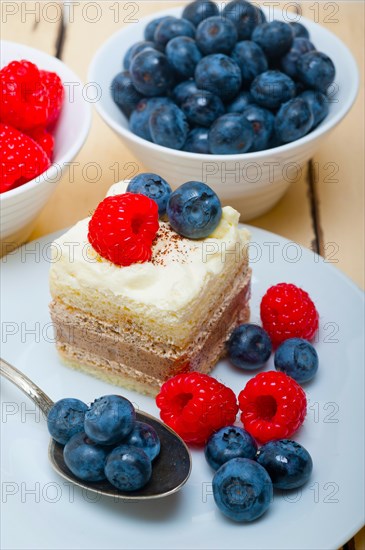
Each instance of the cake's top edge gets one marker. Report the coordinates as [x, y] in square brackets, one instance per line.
[177, 274]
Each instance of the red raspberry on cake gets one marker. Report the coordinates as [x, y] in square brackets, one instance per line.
[273, 406]
[287, 311]
[21, 158]
[24, 97]
[123, 227]
[196, 405]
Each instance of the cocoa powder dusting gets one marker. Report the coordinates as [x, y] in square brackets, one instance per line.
[165, 242]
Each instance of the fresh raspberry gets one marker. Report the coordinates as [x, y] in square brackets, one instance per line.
[24, 97]
[288, 312]
[44, 139]
[123, 227]
[21, 158]
[196, 405]
[56, 94]
[273, 406]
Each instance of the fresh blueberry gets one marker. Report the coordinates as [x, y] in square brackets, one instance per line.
[194, 210]
[196, 11]
[318, 104]
[134, 50]
[153, 186]
[288, 464]
[183, 90]
[245, 16]
[128, 468]
[66, 418]
[272, 88]
[242, 489]
[316, 70]
[84, 458]
[227, 443]
[297, 358]
[293, 120]
[274, 63]
[171, 27]
[251, 60]
[299, 30]
[168, 126]
[151, 73]
[262, 122]
[144, 437]
[300, 87]
[288, 62]
[216, 35]
[240, 103]
[275, 141]
[183, 55]
[197, 141]
[275, 38]
[139, 119]
[124, 93]
[261, 16]
[109, 420]
[220, 75]
[230, 134]
[249, 346]
[149, 32]
[203, 108]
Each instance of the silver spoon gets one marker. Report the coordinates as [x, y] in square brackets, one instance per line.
[171, 468]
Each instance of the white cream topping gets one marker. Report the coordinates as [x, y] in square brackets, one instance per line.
[118, 188]
[178, 273]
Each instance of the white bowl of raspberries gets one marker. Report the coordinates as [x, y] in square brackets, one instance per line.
[44, 122]
[237, 97]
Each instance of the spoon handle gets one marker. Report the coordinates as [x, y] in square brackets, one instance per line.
[27, 386]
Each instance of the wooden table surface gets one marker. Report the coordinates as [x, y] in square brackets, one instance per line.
[324, 210]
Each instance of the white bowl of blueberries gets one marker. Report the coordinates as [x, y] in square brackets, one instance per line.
[227, 97]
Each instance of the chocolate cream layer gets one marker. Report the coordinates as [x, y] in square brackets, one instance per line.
[125, 358]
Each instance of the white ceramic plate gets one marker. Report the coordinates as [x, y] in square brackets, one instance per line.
[40, 510]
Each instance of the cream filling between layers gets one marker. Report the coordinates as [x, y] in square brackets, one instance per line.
[174, 290]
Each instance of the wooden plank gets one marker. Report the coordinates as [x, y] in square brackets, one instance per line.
[35, 24]
[291, 217]
[360, 540]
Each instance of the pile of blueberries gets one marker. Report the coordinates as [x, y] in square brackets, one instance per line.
[105, 441]
[223, 83]
[245, 476]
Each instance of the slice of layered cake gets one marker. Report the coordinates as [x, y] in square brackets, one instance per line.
[137, 322]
